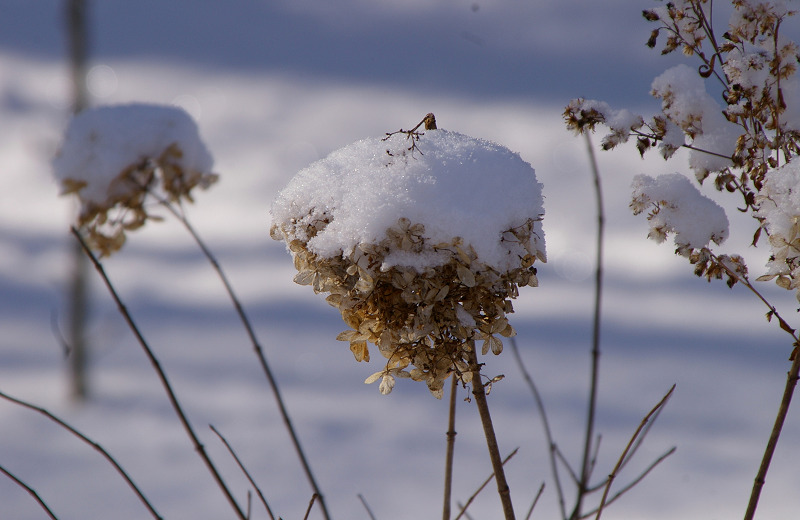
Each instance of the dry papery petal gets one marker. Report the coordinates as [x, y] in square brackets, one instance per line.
[424, 323]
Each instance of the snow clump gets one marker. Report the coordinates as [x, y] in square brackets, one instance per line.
[677, 206]
[422, 240]
[113, 156]
[779, 212]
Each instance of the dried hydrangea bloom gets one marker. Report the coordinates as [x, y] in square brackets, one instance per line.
[779, 212]
[421, 249]
[674, 205]
[112, 157]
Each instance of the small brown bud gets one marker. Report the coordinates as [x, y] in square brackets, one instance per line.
[430, 121]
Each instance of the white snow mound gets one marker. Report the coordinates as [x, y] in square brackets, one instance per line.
[452, 184]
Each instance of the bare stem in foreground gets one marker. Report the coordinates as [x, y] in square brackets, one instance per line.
[587, 464]
[788, 392]
[624, 457]
[552, 448]
[32, 492]
[246, 473]
[463, 508]
[451, 443]
[479, 392]
[259, 351]
[91, 443]
[198, 446]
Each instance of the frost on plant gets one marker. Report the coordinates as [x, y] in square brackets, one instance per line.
[421, 249]
[112, 157]
[738, 114]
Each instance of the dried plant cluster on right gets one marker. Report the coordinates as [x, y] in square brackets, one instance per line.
[738, 114]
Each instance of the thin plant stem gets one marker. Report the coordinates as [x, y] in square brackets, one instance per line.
[198, 446]
[535, 501]
[551, 445]
[786, 399]
[624, 455]
[314, 498]
[788, 392]
[634, 482]
[91, 443]
[366, 506]
[463, 508]
[244, 470]
[259, 351]
[479, 392]
[32, 492]
[586, 466]
[77, 28]
[451, 443]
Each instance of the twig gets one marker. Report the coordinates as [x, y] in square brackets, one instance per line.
[565, 462]
[479, 392]
[627, 449]
[485, 483]
[633, 483]
[462, 507]
[32, 492]
[586, 466]
[786, 399]
[366, 506]
[430, 124]
[451, 443]
[314, 497]
[552, 448]
[91, 443]
[259, 351]
[163, 377]
[244, 470]
[535, 501]
[788, 391]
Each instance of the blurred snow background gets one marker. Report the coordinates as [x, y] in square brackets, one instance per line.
[275, 85]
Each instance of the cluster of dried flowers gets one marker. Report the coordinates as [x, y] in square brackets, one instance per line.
[420, 249]
[742, 142]
[779, 210]
[120, 159]
[424, 323]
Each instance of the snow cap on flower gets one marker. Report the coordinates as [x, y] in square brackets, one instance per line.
[779, 211]
[421, 241]
[685, 102]
[676, 206]
[112, 155]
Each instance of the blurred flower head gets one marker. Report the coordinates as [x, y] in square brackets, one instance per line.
[119, 160]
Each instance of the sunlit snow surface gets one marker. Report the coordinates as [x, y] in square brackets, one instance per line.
[661, 325]
[452, 184]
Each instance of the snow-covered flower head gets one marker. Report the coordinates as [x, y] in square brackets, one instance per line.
[675, 206]
[421, 249]
[779, 212]
[112, 157]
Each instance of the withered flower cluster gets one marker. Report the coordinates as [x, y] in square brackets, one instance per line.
[119, 159]
[424, 323]
[163, 177]
[741, 143]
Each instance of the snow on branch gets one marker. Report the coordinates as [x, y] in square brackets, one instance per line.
[675, 206]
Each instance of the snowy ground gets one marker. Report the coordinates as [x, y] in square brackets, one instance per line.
[274, 87]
